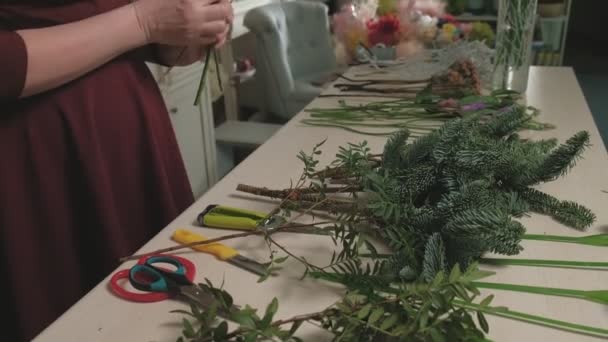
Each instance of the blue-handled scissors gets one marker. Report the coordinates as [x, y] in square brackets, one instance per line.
[160, 283]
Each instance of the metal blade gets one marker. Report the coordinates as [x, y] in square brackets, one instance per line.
[194, 293]
[204, 299]
[248, 264]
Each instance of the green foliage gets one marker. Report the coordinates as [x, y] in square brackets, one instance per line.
[438, 203]
[406, 312]
[211, 321]
[451, 196]
[434, 258]
[394, 148]
[566, 212]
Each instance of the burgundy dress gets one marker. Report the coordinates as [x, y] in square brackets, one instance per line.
[89, 171]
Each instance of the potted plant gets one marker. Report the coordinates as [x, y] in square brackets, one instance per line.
[550, 8]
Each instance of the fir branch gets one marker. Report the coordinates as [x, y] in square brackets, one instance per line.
[393, 150]
[563, 158]
[569, 213]
[434, 258]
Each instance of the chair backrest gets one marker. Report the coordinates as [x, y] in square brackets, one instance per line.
[292, 41]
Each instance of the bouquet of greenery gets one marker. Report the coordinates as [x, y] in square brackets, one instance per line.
[438, 204]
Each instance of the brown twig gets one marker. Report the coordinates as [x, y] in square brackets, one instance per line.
[341, 171]
[299, 318]
[388, 96]
[307, 194]
[386, 81]
[331, 207]
[283, 228]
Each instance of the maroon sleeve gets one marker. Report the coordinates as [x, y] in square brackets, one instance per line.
[13, 65]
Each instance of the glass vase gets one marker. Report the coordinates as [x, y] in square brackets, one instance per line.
[514, 34]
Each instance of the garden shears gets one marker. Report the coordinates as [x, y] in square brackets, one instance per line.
[225, 217]
[221, 251]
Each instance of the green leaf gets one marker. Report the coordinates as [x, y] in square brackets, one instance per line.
[455, 274]
[424, 315]
[486, 301]
[478, 274]
[344, 308]
[294, 327]
[280, 260]
[389, 322]
[265, 276]
[195, 310]
[401, 329]
[183, 312]
[439, 277]
[364, 312]
[376, 315]
[245, 319]
[220, 332]
[209, 314]
[227, 299]
[461, 291]
[188, 329]
[251, 337]
[271, 309]
[436, 335]
[482, 322]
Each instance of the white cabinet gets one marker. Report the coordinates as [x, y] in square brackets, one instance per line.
[193, 125]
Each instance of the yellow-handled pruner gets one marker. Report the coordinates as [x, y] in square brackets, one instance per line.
[224, 217]
[221, 251]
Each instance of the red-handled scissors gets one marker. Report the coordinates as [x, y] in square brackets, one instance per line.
[158, 283]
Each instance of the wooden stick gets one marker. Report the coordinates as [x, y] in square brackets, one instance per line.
[284, 227]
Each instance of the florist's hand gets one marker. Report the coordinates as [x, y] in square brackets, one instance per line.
[185, 22]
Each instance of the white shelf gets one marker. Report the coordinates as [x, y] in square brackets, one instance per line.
[473, 17]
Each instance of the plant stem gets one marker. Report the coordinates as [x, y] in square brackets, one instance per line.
[298, 318]
[594, 296]
[599, 240]
[532, 319]
[290, 193]
[285, 227]
[201, 83]
[545, 263]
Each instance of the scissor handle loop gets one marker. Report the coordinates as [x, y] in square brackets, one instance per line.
[148, 297]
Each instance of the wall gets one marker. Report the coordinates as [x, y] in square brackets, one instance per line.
[587, 41]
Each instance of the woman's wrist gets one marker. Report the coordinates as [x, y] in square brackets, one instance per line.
[134, 34]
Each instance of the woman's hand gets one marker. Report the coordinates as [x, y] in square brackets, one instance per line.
[194, 23]
[184, 22]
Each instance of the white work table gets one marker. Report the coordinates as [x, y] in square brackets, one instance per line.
[101, 316]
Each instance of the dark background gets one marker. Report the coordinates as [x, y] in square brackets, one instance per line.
[587, 52]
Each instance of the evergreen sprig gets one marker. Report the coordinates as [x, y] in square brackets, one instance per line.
[463, 185]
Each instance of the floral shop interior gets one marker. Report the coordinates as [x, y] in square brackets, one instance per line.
[304, 170]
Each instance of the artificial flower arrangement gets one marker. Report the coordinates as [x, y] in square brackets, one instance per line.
[395, 29]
